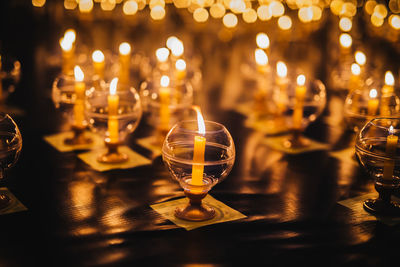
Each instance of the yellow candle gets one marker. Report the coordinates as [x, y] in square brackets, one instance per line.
[124, 61]
[113, 102]
[354, 82]
[98, 63]
[262, 40]
[345, 41]
[373, 102]
[164, 95]
[387, 92]
[162, 55]
[391, 146]
[281, 81]
[261, 60]
[198, 151]
[79, 107]
[180, 68]
[67, 56]
[299, 102]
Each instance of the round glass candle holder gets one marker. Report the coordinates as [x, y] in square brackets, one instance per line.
[126, 119]
[219, 156]
[299, 112]
[377, 149]
[360, 107]
[10, 75]
[163, 110]
[65, 98]
[10, 148]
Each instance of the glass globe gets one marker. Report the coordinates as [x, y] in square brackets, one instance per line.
[10, 148]
[362, 105]
[377, 149]
[198, 174]
[113, 119]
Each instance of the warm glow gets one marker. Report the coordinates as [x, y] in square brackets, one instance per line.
[180, 65]
[200, 120]
[130, 7]
[113, 86]
[124, 48]
[164, 81]
[276, 8]
[65, 45]
[261, 57]
[230, 20]
[394, 21]
[85, 6]
[264, 13]
[281, 69]
[157, 13]
[70, 35]
[98, 56]
[380, 11]
[345, 40]
[355, 69]
[369, 6]
[262, 40]
[177, 48]
[301, 80]
[162, 54]
[38, 3]
[391, 130]
[389, 78]
[373, 93]
[200, 15]
[345, 24]
[237, 6]
[217, 10]
[305, 14]
[250, 15]
[171, 41]
[360, 58]
[285, 22]
[79, 76]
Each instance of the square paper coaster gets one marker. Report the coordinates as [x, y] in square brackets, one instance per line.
[223, 212]
[57, 141]
[271, 126]
[276, 142]
[356, 205]
[15, 204]
[151, 144]
[347, 155]
[134, 159]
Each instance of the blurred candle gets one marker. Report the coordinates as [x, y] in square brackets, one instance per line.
[113, 103]
[373, 102]
[98, 63]
[164, 95]
[180, 68]
[281, 81]
[124, 60]
[67, 56]
[345, 41]
[262, 40]
[261, 60]
[360, 58]
[387, 92]
[162, 55]
[388, 88]
[79, 107]
[299, 102]
[199, 150]
[177, 49]
[391, 146]
[354, 81]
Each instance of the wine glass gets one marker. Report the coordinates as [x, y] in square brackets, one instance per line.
[198, 162]
[10, 148]
[378, 152]
[113, 113]
[302, 104]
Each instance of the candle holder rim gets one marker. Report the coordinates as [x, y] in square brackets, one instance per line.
[205, 122]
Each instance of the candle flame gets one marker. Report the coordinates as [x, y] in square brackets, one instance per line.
[261, 57]
[301, 80]
[355, 69]
[70, 35]
[360, 58]
[345, 40]
[124, 48]
[164, 81]
[65, 45]
[180, 65]
[162, 54]
[373, 93]
[391, 130]
[262, 40]
[389, 78]
[79, 76]
[281, 69]
[113, 86]
[200, 120]
[98, 56]
[171, 41]
[177, 48]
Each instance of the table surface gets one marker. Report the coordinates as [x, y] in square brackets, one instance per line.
[80, 217]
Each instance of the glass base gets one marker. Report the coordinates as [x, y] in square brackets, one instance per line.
[4, 201]
[78, 138]
[195, 212]
[296, 141]
[381, 207]
[112, 155]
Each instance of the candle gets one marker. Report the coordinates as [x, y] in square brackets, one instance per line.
[391, 146]
[98, 63]
[354, 81]
[387, 92]
[373, 102]
[177, 49]
[124, 61]
[164, 95]
[180, 68]
[345, 41]
[113, 102]
[261, 60]
[199, 150]
[299, 102]
[79, 107]
[281, 81]
[67, 55]
[360, 58]
[262, 40]
[162, 55]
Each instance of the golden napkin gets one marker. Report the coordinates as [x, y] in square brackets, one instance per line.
[14, 206]
[57, 141]
[151, 144]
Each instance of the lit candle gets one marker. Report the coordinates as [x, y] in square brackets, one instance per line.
[113, 102]
[67, 55]
[354, 81]
[299, 101]
[345, 41]
[162, 55]
[180, 68]
[391, 146]
[79, 107]
[261, 60]
[177, 49]
[164, 95]
[387, 92]
[262, 40]
[98, 63]
[373, 102]
[281, 81]
[199, 150]
[124, 61]
[360, 58]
